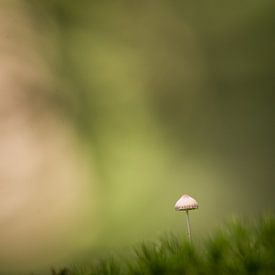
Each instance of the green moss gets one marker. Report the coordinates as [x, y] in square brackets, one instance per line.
[236, 249]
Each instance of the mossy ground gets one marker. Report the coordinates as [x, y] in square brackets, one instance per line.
[238, 248]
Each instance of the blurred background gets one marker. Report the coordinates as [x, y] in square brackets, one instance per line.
[111, 110]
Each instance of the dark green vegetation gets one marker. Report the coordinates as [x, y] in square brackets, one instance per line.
[238, 248]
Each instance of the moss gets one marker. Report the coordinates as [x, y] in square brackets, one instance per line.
[236, 249]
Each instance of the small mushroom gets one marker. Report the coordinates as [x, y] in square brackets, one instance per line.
[186, 203]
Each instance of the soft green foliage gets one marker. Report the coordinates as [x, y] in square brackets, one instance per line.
[238, 248]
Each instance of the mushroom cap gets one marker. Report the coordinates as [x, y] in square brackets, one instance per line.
[186, 203]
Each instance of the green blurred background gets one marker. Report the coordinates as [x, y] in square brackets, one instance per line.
[130, 104]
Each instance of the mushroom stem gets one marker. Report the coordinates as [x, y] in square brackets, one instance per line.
[188, 226]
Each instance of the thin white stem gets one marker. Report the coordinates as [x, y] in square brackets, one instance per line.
[188, 226]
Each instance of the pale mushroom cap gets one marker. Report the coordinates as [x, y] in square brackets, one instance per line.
[186, 203]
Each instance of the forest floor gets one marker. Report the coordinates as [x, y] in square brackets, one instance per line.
[237, 248]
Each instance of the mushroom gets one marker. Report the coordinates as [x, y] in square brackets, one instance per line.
[186, 203]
